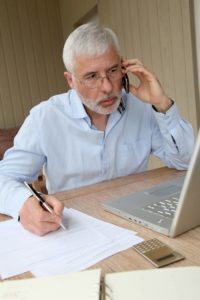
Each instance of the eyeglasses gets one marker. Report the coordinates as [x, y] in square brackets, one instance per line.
[94, 80]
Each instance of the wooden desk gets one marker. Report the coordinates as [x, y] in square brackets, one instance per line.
[88, 200]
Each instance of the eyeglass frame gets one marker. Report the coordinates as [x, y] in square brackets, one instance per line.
[83, 81]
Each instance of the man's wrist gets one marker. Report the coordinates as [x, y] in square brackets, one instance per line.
[165, 107]
[18, 218]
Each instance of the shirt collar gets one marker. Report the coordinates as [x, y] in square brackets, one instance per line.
[77, 108]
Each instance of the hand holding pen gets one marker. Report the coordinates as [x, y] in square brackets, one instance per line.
[43, 218]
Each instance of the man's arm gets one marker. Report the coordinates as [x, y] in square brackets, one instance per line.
[22, 163]
[173, 137]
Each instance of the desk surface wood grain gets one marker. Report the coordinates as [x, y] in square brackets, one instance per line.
[88, 200]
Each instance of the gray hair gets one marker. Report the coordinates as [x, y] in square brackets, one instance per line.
[88, 39]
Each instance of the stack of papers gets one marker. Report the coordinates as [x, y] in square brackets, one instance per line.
[85, 242]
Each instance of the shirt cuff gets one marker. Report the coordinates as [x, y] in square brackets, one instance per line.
[166, 111]
[17, 203]
[169, 119]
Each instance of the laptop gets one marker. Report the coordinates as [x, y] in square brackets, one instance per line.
[170, 208]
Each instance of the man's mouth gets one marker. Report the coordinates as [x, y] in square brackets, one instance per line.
[108, 102]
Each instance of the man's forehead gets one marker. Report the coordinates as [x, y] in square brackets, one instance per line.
[92, 63]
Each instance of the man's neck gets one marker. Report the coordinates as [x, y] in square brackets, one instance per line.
[98, 120]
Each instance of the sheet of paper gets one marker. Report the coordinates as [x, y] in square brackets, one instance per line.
[85, 242]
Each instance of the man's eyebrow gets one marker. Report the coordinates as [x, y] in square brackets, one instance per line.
[96, 72]
[113, 66]
[89, 73]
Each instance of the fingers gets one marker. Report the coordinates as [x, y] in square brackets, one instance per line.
[136, 67]
[41, 228]
[132, 65]
[36, 219]
[56, 205]
[130, 62]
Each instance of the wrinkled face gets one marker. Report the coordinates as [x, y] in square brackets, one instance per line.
[104, 98]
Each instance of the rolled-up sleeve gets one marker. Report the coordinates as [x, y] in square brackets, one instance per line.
[21, 163]
[173, 139]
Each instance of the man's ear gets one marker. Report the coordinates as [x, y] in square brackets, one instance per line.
[68, 77]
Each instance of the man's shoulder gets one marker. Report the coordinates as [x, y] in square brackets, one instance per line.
[56, 102]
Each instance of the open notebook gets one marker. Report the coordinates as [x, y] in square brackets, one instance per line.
[156, 284]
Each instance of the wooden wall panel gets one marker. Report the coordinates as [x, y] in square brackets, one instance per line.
[31, 68]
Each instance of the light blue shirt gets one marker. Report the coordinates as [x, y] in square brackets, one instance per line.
[58, 136]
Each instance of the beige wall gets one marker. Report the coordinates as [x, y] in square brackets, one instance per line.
[31, 67]
[72, 11]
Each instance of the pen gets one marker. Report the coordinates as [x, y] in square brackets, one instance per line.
[41, 200]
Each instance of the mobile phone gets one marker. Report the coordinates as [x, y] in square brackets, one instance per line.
[125, 83]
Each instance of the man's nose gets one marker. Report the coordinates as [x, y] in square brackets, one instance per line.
[106, 84]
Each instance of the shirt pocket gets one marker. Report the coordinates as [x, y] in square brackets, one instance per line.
[133, 157]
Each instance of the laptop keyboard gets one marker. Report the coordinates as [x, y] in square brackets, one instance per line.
[165, 207]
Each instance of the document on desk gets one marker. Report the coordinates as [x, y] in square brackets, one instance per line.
[85, 242]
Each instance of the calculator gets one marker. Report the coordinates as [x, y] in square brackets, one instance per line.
[158, 253]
